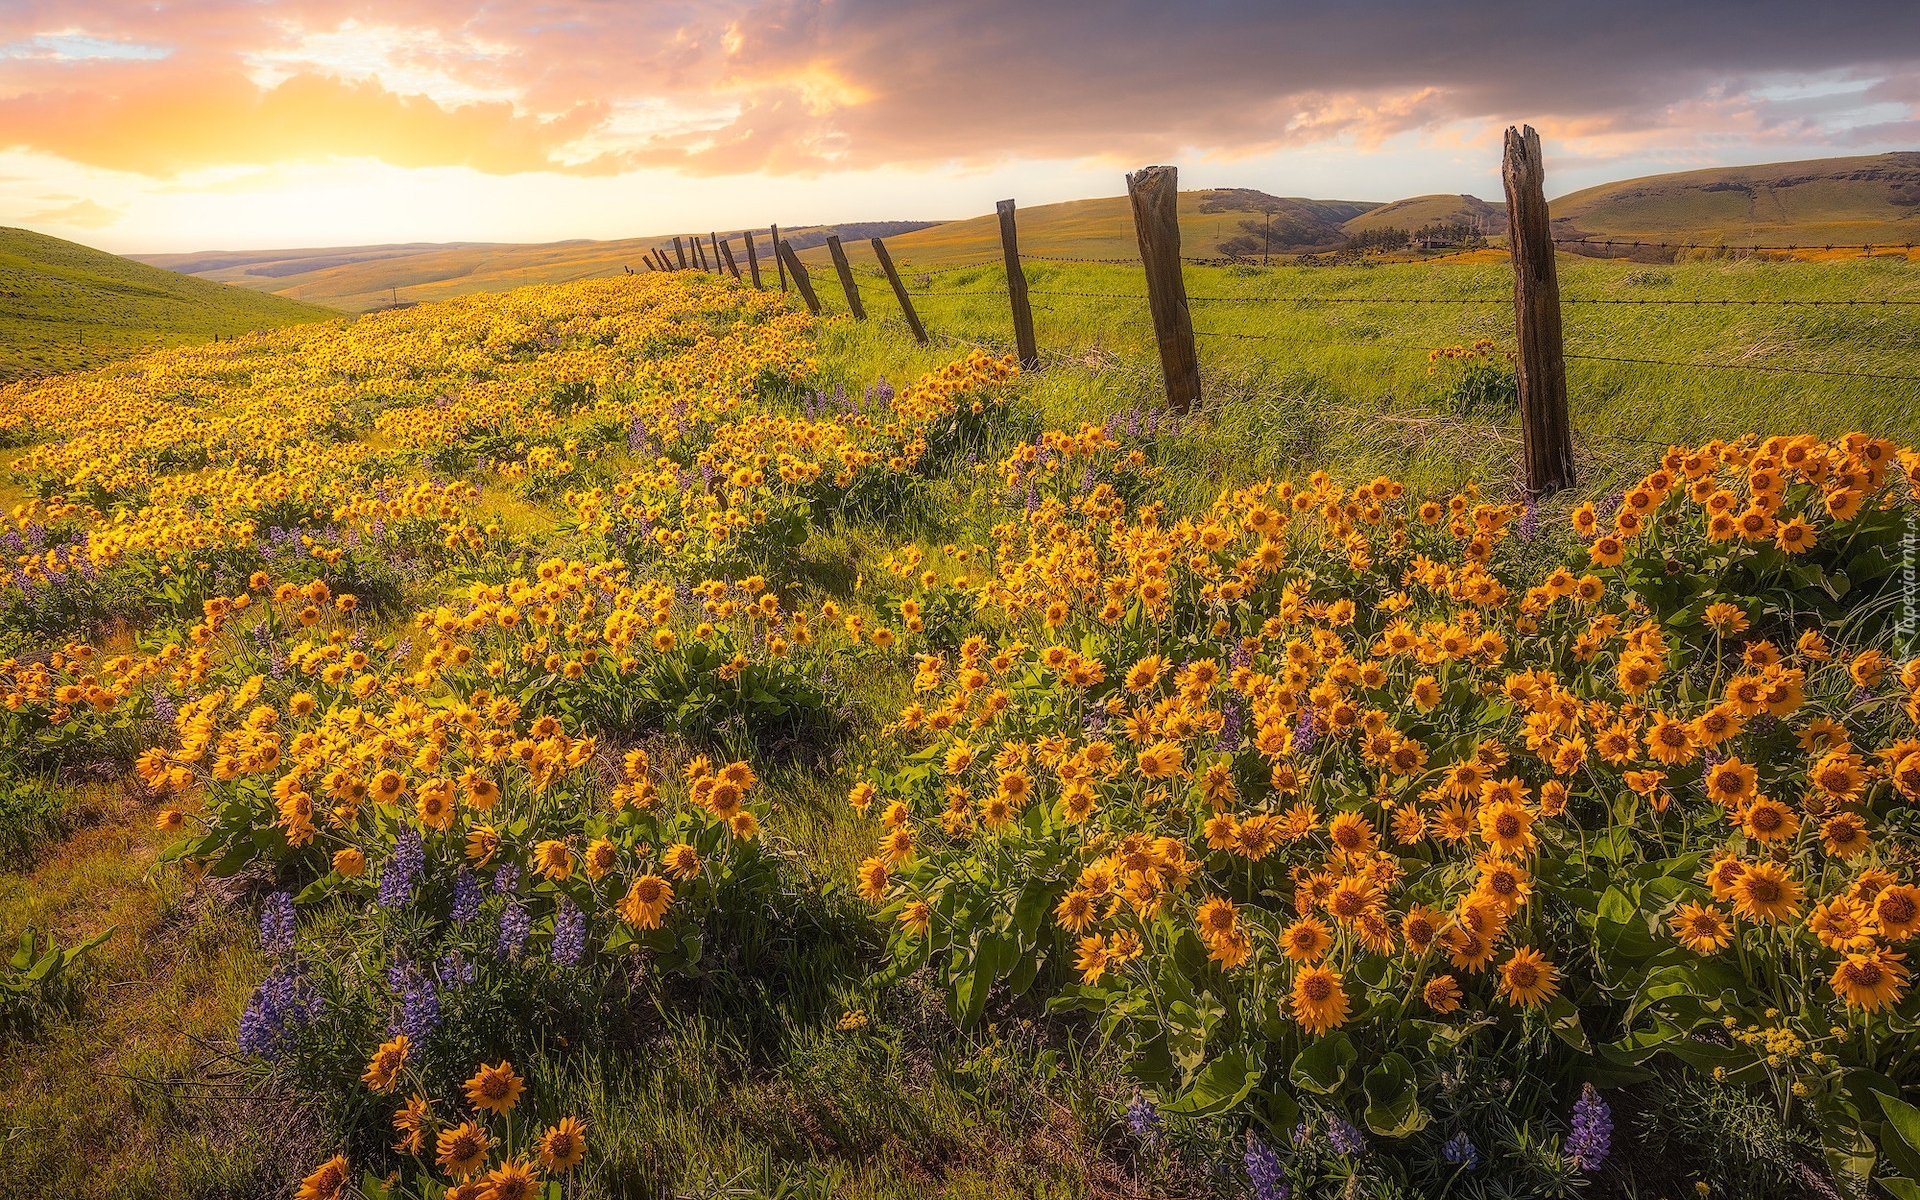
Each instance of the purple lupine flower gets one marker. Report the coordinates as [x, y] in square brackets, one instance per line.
[1712, 758]
[419, 1011]
[1301, 1134]
[1764, 724]
[1529, 521]
[1033, 501]
[1142, 1118]
[277, 924]
[1592, 1134]
[455, 970]
[1610, 504]
[515, 924]
[1229, 728]
[402, 650]
[884, 390]
[1086, 480]
[1461, 1152]
[1305, 732]
[397, 876]
[1344, 1138]
[163, 709]
[379, 529]
[1153, 422]
[277, 665]
[283, 1002]
[506, 879]
[467, 894]
[1861, 695]
[1264, 1170]
[1239, 656]
[569, 934]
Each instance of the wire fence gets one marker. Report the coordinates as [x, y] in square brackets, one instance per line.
[925, 294]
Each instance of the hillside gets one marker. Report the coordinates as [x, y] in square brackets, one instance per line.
[360, 278]
[1842, 200]
[1234, 218]
[1439, 209]
[69, 307]
[1874, 198]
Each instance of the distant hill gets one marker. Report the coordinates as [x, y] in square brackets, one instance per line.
[1874, 198]
[1840, 200]
[1214, 223]
[66, 307]
[362, 278]
[1442, 209]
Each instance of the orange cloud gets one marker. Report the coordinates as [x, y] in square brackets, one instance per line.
[161, 122]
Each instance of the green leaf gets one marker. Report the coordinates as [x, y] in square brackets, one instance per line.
[1393, 1099]
[1322, 1066]
[1902, 1189]
[1903, 1123]
[1220, 1086]
[1566, 1024]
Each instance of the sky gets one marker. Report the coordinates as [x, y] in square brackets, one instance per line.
[176, 125]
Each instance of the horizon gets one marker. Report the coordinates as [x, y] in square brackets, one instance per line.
[245, 126]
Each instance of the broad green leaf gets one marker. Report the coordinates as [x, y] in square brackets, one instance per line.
[1218, 1087]
[1322, 1066]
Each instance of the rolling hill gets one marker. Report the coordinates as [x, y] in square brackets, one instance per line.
[68, 307]
[1874, 198]
[1840, 200]
[362, 278]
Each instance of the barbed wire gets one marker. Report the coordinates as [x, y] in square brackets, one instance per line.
[1710, 366]
[1717, 246]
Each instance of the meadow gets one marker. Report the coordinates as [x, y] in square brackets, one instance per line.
[71, 308]
[629, 737]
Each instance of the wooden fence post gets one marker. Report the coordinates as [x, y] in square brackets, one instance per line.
[699, 251]
[1017, 288]
[726, 252]
[753, 259]
[680, 252]
[1155, 193]
[845, 272]
[900, 291]
[779, 260]
[1546, 430]
[800, 278]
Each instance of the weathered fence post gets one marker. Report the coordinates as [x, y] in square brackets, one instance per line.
[726, 252]
[845, 272]
[753, 259]
[900, 291]
[1017, 288]
[779, 260]
[800, 278]
[699, 251]
[680, 252]
[1546, 431]
[1155, 193]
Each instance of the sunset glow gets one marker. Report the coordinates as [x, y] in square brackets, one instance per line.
[165, 127]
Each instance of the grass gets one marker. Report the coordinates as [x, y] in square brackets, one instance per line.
[1301, 366]
[70, 308]
[744, 1082]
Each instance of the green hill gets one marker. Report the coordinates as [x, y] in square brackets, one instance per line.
[361, 278]
[1874, 198]
[68, 307]
[1441, 209]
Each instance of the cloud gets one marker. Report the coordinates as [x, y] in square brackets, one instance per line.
[81, 214]
[815, 86]
[162, 122]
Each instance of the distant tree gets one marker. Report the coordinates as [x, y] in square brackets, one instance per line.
[1388, 237]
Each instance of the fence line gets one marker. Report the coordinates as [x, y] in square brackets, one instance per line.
[1545, 427]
